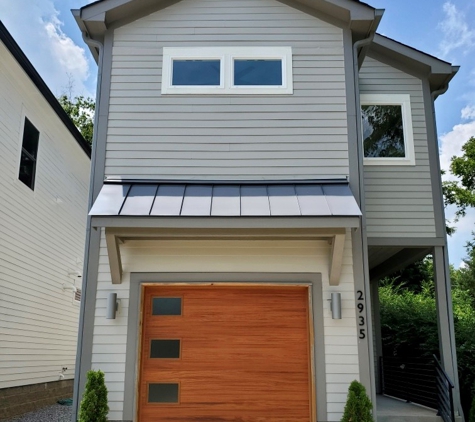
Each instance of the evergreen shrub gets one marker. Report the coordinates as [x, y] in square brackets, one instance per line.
[94, 407]
[358, 405]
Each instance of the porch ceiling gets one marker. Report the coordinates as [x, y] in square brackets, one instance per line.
[385, 260]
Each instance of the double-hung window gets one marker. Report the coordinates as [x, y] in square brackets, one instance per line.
[387, 129]
[227, 70]
[29, 152]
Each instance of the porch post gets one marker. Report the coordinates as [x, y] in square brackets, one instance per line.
[445, 319]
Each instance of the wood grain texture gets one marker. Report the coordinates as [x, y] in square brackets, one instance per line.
[244, 354]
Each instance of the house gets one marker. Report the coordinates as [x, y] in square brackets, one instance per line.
[258, 167]
[44, 184]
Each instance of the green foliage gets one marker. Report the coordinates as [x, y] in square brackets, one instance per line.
[462, 193]
[472, 410]
[81, 111]
[383, 131]
[358, 406]
[94, 407]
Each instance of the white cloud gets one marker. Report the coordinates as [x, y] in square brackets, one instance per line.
[468, 113]
[457, 32]
[37, 26]
[451, 144]
[68, 55]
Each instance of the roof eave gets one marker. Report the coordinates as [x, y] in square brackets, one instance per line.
[438, 72]
[97, 17]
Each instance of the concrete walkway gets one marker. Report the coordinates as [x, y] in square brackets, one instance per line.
[389, 409]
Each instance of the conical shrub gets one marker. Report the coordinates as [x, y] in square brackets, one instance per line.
[94, 407]
[358, 405]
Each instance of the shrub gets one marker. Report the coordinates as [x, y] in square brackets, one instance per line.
[472, 410]
[94, 406]
[358, 406]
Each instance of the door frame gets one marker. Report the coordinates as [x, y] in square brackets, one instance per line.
[312, 281]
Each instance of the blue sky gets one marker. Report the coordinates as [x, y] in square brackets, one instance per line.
[49, 36]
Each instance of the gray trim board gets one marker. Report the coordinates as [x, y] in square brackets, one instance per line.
[136, 280]
[406, 241]
[227, 222]
[93, 235]
[434, 160]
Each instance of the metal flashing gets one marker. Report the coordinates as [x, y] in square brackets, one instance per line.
[35, 77]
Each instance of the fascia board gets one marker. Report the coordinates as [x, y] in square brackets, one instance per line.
[115, 11]
[410, 55]
[94, 9]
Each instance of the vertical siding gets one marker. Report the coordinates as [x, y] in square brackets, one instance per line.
[399, 199]
[42, 234]
[110, 336]
[303, 135]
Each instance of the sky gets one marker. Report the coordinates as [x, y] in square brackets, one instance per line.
[49, 36]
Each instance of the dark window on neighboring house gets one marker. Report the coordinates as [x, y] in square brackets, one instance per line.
[29, 152]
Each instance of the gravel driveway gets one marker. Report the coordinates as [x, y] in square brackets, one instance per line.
[54, 413]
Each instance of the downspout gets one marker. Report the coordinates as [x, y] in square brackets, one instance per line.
[448, 285]
[361, 200]
[76, 394]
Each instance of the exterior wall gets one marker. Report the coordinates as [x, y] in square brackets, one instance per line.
[399, 200]
[42, 234]
[297, 136]
[202, 256]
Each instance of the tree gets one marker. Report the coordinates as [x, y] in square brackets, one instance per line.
[81, 111]
[461, 193]
[94, 407]
[358, 406]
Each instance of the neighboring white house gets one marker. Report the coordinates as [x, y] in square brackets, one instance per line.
[259, 166]
[44, 183]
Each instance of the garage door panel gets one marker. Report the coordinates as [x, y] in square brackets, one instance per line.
[244, 354]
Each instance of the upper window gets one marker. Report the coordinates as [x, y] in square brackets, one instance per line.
[387, 129]
[227, 70]
[29, 152]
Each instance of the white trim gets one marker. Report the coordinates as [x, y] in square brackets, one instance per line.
[404, 100]
[226, 56]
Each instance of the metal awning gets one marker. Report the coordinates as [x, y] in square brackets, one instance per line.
[139, 210]
[226, 200]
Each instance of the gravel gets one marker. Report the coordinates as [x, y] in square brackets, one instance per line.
[54, 413]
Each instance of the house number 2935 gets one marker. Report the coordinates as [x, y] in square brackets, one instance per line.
[361, 320]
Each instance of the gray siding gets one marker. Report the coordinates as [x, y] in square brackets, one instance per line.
[399, 199]
[303, 135]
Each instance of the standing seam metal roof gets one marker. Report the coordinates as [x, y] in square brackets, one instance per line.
[225, 200]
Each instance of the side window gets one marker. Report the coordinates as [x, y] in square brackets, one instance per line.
[29, 152]
[227, 70]
[387, 129]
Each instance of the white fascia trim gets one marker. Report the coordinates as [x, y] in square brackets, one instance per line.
[226, 55]
[404, 100]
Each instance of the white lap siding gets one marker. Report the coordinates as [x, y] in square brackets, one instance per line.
[303, 135]
[42, 235]
[399, 201]
[110, 336]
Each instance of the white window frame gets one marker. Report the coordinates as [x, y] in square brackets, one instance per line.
[403, 100]
[226, 56]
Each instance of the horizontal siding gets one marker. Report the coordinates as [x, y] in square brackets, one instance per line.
[303, 135]
[399, 201]
[110, 336]
[42, 235]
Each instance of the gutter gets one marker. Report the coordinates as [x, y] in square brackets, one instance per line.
[364, 45]
[77, 394]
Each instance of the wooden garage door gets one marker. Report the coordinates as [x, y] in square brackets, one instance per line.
[225, 353]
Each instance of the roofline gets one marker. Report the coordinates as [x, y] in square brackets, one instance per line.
[439, 72]
[97, 17]
[34, 76]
